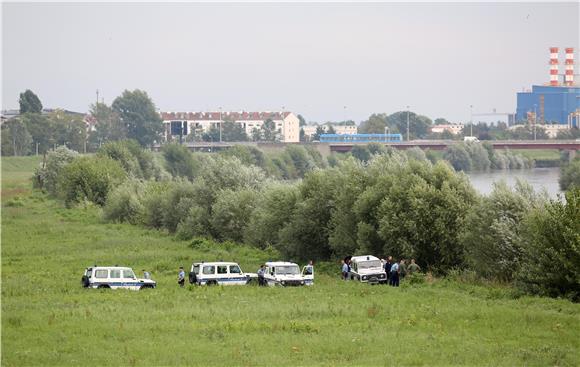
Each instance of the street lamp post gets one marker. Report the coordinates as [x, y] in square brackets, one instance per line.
[471, 120]
[220, 124]
[535, 121]
[408, 123]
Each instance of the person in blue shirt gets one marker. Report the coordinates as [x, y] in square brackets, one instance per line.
[394, 281]
[181, 277]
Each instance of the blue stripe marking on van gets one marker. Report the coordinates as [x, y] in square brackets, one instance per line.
[224, 280]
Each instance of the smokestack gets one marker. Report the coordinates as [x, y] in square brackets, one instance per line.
[554, 66]
[569, 76]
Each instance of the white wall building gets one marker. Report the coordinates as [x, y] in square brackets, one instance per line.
[287, 123]
[452, 128]
[310, 130]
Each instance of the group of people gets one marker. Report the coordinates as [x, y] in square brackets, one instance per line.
[396, 271]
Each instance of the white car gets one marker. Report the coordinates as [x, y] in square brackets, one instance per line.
[367, 269]
[114, 277]
[217, 273]
[288, 274]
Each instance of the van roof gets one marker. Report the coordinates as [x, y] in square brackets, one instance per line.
[280, 263]
[216, 263]
[364, 258]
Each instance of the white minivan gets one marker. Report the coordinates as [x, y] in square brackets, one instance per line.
[217, 273]
[367, 269]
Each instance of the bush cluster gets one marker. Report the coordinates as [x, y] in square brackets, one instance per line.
[389, 203]
[482, 157]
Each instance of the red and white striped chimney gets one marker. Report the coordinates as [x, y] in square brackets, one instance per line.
[554, 66]
[569, 76]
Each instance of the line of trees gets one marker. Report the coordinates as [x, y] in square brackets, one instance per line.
[393, 203]
[132, 115]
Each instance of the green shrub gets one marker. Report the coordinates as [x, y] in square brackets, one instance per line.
[123, 203]
[90, 178]
[551, 243]
[47, 177]
[179, 161]
[119, 151]
[231, 213]
[570, 175]
[491, 235]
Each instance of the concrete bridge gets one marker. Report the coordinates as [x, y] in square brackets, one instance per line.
[571, 145]
[326, 148]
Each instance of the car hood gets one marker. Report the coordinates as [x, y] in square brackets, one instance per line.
[146, 281]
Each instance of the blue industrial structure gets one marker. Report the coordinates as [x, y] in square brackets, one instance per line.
[360, 138]
[551, 104]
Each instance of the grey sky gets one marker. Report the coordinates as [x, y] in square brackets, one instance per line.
[313, 59]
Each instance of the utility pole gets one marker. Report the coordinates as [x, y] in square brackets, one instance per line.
[220, 124]
[471, 120]
[408, 124]
[535, 121]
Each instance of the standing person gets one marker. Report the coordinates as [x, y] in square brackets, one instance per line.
[146, 274]
[344, 270]
[394, 281]
[388, 266]
[181, 277]
[309, 269]
[413, 267]
[402, 269]
[261, 273]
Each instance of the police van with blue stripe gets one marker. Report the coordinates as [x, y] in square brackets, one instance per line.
[217, 273]
[114, 277]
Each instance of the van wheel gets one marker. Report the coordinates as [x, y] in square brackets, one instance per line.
[146, 286]
[103, 286]
[212, 282]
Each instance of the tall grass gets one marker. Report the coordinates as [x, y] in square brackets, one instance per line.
[48, 319]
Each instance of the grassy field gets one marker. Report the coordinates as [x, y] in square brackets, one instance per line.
[48, 319]
[539, 154]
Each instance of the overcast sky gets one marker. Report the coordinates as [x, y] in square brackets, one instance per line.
[312, 59]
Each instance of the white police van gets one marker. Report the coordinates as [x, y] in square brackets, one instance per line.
[217, 273]
[114, 277]
[367, 269]
[288, 274]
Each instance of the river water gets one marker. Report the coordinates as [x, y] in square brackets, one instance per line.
[539, 178]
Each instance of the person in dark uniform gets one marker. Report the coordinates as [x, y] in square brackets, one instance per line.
[181, 277]
[261, 273]
[388, 265]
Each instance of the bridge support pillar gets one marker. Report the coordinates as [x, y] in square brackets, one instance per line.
[571, 155]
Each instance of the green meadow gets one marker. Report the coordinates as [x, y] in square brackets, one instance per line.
[49, 319]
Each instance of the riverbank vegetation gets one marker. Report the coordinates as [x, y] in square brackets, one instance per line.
[49, 319]
[386, 203]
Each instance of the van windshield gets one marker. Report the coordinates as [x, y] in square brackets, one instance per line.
[369, 264]
[287, 270]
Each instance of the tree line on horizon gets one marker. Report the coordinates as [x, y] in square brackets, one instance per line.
[133, 115]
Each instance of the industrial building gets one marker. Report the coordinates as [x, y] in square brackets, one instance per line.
[554, 103]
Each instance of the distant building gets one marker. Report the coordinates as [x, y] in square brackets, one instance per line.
[550, 104]
[493, 118]
[287, 123]
[452, 128]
